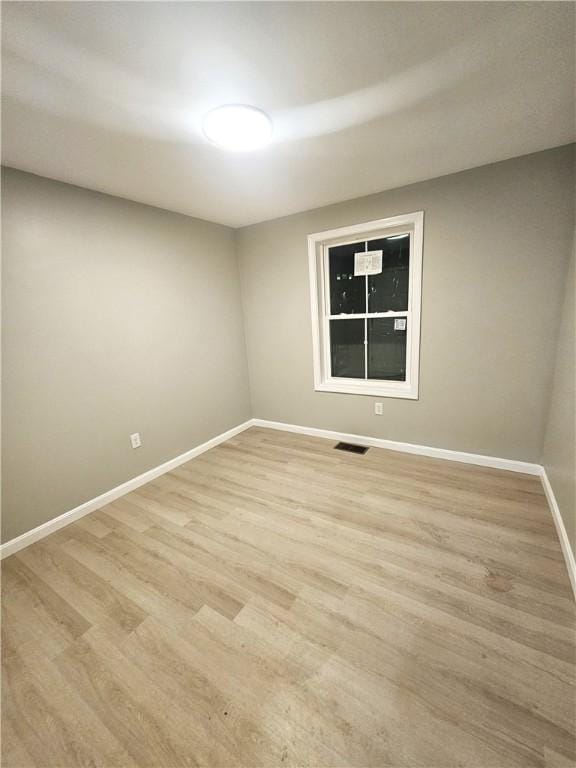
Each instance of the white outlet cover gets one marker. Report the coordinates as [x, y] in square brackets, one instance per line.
[135, 440]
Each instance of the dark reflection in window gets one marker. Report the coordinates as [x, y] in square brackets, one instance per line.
[347, 293]
[347, 348]
[387, 348]
[388, 291]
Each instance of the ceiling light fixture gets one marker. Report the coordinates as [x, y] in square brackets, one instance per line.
[238, 128]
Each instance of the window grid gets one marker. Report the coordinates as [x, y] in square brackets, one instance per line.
[399, 365]
[357, 315]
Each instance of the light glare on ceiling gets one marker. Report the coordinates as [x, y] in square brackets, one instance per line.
[238, 128]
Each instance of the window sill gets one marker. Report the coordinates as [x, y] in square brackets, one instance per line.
[375, 389]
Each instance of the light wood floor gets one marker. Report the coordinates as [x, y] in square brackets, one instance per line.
[278, 603]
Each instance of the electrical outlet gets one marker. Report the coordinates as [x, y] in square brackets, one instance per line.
[135, 440]
[378, 409]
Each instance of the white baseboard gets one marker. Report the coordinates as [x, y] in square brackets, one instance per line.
[421, 450]
[14, 545]
[560, 529]
[443, 453]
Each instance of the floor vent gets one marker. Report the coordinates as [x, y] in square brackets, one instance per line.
[351, 448]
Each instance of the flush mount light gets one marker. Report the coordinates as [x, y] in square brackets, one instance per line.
[238, 128]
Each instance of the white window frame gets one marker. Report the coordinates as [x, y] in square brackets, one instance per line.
[318, 244]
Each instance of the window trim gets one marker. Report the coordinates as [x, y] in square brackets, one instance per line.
[318, 244]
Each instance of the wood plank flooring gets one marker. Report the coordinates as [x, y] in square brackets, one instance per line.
[278, 603]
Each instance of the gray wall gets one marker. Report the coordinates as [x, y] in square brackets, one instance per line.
[118, 318]
[559, 455]
[496, 241]
[121, 318]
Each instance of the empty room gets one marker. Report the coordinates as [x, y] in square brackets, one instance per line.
[288, 385]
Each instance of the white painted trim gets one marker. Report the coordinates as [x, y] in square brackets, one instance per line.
[366, 387]
[421, 450]
[315, 298]
[560, 529]
[14, 545]
[318, 244]
[494, 462]
[403, 220]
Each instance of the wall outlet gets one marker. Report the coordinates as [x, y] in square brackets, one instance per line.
[135, 440]
[378, 409]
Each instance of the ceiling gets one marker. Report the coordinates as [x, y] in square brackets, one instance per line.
[364, 96]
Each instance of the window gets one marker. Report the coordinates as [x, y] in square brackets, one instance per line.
[365, 285]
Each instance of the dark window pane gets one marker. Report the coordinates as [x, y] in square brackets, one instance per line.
[347, 348]
[347, 293]
[387, 348]
[388, 291]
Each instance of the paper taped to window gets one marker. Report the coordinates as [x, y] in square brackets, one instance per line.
[367, 263]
